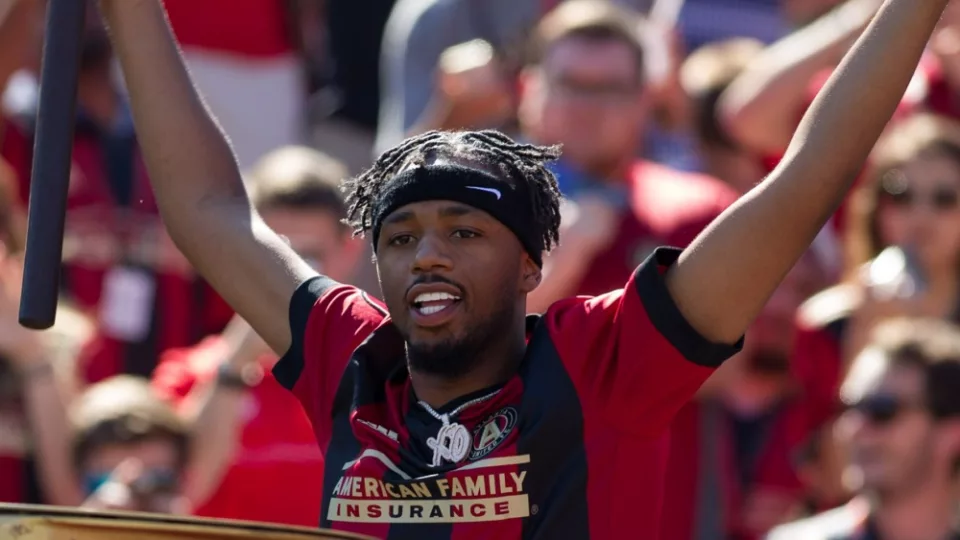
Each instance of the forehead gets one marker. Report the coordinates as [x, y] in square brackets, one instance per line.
[932, 169]
[874, 373]
[593, 58]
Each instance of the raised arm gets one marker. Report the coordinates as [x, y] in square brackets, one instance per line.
[761, 106]
[723, 279]
[196, 179]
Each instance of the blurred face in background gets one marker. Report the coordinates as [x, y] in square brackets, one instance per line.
[919, 206]
[588, 95]
[319, 237]
[769, 342]
[765, 358]
[891, 437]
[141, 476]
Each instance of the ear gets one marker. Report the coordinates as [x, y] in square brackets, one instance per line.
[531, 275]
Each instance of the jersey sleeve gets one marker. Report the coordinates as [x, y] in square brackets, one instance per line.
[328, 321]
[633, 357]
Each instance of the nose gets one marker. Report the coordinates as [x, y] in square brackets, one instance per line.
[431, 254]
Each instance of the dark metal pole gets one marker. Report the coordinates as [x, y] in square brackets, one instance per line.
[53, 147]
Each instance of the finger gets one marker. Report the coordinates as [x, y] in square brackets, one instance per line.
[127, 472]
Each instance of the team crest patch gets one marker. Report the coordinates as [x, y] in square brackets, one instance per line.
[488, 434]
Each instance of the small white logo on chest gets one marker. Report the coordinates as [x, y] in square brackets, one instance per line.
[451, 444]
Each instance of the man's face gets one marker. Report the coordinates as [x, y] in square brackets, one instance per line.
[150, 483]
[891, 437]
[319, 237]
[587, 95]
[454, 279]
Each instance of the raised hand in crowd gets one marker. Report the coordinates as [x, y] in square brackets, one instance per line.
[46, 385]
[215, 409]
[762, 106]
[472, 91]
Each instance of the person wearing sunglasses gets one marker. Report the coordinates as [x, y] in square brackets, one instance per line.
[900, 431]
[129, 448]
[908, 198]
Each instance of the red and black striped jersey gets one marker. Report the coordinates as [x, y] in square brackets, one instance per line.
[572, 446]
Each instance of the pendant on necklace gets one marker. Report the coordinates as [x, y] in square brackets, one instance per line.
[451, 444]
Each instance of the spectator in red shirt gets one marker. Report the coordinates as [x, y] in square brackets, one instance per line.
[245, 57]
[736, 442]
[910, 198]
[587, 91]
[119, 265]
[258, 458]
[530, 408]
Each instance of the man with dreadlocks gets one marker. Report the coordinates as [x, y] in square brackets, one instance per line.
[448, 413]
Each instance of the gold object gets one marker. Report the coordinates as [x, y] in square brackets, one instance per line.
[21, 522]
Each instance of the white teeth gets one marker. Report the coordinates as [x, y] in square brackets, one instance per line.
[430, 310]
[434, 297]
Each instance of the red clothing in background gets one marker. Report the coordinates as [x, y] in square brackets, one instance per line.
[668, 207]
[598, 375]
[817, 361]
[117, 264]
[277, 473]
[256, 28]
[714, 483]
[13, 453]
[939, 98]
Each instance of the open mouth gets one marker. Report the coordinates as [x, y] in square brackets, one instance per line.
[433, 303]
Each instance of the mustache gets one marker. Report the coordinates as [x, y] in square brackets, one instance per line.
[427, 279]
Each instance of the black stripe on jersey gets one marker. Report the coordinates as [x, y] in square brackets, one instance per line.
[667, 318]
[551, 432]
[346, 449]
[288, 369]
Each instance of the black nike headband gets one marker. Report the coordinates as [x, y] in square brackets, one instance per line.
[508, 202]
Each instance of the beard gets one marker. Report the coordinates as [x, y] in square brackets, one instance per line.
[455, 357]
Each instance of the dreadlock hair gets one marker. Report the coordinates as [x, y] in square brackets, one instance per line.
[514, 161]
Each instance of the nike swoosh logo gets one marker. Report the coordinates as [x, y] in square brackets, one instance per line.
[488, 190]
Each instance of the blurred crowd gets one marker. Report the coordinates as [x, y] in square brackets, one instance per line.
[842, 411]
